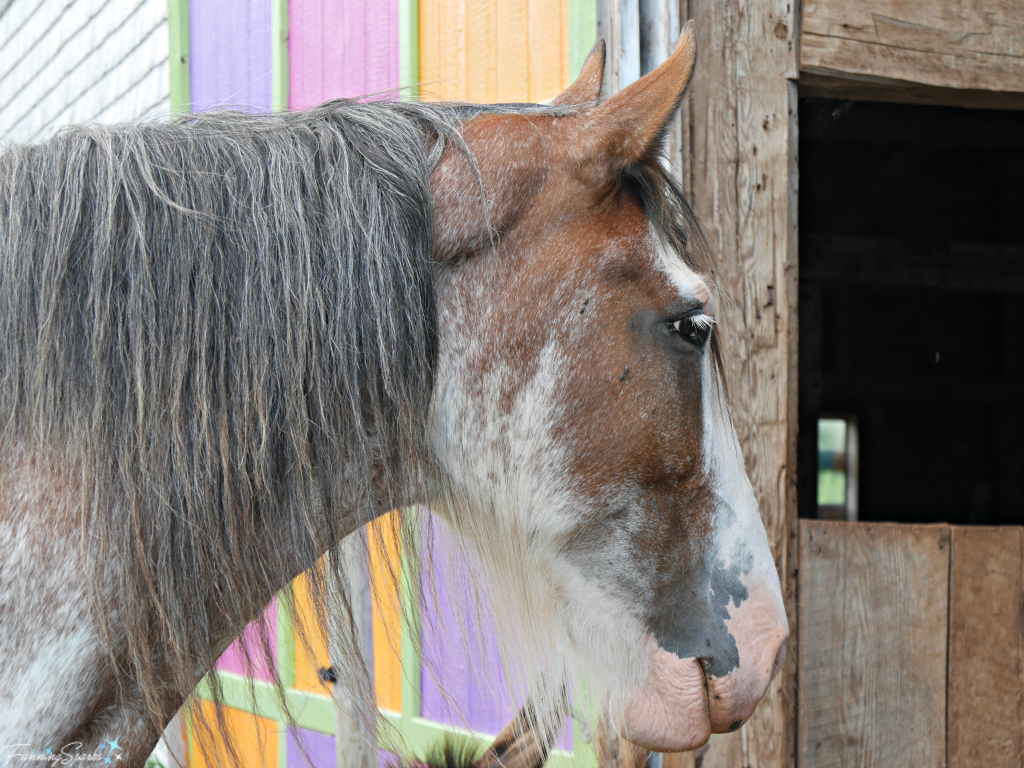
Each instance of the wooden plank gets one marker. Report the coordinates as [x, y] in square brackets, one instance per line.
[986, 657]
[874, 607]
[582, 33]
[279, 65]
[741, 175]
[255, 739]
[178, 58]
[513, 51]
[429, 42]
[483, 62]
[409, 49]
[936, 43]
[387, 613]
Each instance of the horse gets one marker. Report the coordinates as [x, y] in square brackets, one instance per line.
[230, 341]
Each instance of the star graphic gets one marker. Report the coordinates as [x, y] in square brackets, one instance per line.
[113, 744]
[49, 752]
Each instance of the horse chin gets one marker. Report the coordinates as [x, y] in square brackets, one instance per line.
[670, 713]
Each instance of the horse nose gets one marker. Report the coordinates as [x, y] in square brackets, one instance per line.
[733, 697]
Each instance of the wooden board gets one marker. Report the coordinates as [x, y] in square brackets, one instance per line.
[874, 601]
[495, 50]
[253, 738]
[741, 172]
[935, 43]
[340, 48]
[986, 689]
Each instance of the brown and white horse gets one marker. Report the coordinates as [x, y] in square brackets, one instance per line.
[573, 427]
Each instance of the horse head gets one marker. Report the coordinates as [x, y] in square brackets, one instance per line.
[579, 416]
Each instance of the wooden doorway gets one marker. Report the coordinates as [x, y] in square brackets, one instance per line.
[911, 303]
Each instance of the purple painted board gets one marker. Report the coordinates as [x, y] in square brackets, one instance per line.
[319, 750]
[229, 54]
[233, 660]
[459, 688]
[341, 48]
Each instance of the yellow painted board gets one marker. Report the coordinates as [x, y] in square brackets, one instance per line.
[254, 738]
[309, 660]
[387, 615]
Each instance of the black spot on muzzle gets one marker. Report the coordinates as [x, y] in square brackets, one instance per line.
[690, 621]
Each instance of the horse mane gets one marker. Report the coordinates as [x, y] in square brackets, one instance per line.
[213, 323]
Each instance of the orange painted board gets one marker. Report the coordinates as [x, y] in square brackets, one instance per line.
[546, 30]
[387, 614]
[513, 50]
[494, 50]
[254, 739]
[482, 38]
[311, 655]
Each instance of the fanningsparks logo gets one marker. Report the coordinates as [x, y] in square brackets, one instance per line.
[109, 753]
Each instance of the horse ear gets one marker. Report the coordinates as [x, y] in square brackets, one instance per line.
[585, 89]
[628, 128]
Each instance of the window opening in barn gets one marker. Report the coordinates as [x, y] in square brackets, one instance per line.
[837, 467]
[911, 313]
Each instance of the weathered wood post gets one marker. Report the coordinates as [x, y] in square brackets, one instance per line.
[742, 168]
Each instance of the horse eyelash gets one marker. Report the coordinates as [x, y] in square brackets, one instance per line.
[702, 321]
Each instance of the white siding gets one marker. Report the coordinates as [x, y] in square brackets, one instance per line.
[69, 61]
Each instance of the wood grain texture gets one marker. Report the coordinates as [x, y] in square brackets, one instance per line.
[311, 653]
[874, 602]
[986, 657]
[254, 738]
[942, 43]
[513, 52]
[341, 48]
[387, 615]
[230, 63]
[741, 172]
[494, 50]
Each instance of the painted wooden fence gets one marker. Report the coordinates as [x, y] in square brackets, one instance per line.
[275, 54]
[911, 645]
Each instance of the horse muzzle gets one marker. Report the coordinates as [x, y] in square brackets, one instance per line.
[683, 702]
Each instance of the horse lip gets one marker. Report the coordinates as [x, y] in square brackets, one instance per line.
[707, 687]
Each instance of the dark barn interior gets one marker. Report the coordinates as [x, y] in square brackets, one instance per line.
[912, 309]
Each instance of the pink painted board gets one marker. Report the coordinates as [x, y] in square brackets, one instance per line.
[341, 48]
[233, 660]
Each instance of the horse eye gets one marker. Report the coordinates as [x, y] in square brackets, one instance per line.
[689, 330]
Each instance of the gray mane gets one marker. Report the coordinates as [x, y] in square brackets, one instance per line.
[213, 324]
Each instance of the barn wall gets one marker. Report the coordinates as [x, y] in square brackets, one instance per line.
[230, 58]
[341, 48]
[497, 50]
[742, 174]
[64, 61]
[943, 51]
